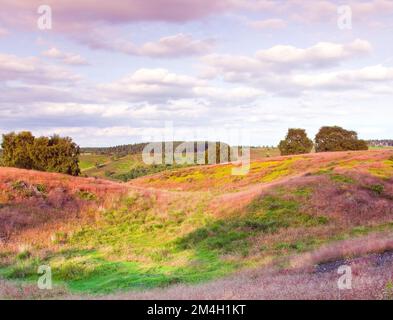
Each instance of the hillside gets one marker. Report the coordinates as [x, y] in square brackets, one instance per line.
[199, 229]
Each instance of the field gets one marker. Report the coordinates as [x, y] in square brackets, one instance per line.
[201, 232]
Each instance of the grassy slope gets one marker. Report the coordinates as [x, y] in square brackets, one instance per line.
[108, 236]
[107, 163]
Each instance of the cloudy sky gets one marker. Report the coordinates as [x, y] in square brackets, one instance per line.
[119, 71]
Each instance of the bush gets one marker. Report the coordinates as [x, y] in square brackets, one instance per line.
[377, 188]
[338, 139]
[296, 142]
[41, 188]
[23, 255]
[54, 154]
[86, 195]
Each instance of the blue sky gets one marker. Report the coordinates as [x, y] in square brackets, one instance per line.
[117, 72]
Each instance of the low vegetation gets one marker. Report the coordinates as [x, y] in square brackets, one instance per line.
[187, 225]
[100, 237]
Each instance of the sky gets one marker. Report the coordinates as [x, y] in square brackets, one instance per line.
[242, 71]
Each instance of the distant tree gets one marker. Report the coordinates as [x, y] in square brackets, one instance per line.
[296, 142]
[222, 154]
[54, 154]
[380, 143]
[338, 139]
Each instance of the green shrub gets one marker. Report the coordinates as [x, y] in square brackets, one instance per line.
[22, 188]
[23, 255]
[86, 195]
[377, 188]
[41, 188]
[19, 185]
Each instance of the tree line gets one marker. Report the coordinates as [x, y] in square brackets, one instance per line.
[61, 154]
[120, 150]
[52, 154]
[327, 139]
[381, 143]
[137, 148]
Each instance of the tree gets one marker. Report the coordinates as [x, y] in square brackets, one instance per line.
[54, 154]
[338, 139]
[63, 156]
[39, 153]
[296, 142]
[16, 149]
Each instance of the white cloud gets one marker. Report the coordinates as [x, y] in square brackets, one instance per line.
[284, 69]
[151, 85]
[283, 58]
[318, 55]
[158, 85]
[345, 79]
[32, 69]
[65, 57]
[174, 46]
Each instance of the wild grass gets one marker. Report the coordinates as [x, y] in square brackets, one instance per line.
[101, 237]
[134, 247]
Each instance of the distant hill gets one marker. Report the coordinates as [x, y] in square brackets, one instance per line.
[120, 150]
[127, 149]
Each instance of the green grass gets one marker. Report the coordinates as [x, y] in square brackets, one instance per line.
[106, 166]
[336, 177]
[120, 169]
[135, 247]
[141, 171]
[378, 189]
[265, 215]
[89, 161]
[341, 178]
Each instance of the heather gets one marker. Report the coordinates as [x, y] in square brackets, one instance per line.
[194, 226]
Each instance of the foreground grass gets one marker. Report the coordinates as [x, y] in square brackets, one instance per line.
[133, 247]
